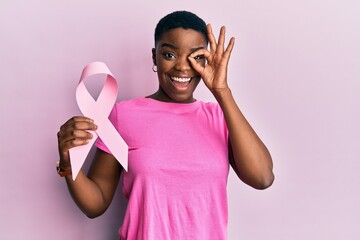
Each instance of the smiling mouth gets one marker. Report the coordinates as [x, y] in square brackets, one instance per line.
[181, 82]
[181, 79]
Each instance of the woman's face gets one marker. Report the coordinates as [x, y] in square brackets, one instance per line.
[177, 79]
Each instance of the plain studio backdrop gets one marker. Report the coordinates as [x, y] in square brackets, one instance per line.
[294, 71]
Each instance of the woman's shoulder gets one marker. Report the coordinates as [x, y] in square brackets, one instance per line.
[211, 106]
[125, 103]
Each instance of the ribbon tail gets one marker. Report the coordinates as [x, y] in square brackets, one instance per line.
[97, 110]
[114, 142]
[78, 156]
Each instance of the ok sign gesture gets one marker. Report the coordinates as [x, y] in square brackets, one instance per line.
[214, 73]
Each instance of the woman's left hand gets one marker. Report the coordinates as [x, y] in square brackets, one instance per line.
[214, 73]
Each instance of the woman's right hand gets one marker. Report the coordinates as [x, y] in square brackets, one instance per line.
[73, 133]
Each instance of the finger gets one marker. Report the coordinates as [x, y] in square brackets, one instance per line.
[220, 45]
[64, 158]
[82, 124]
[229, 48]
[200, 54]
[76, 119]
[198, 59]
[68, 141]
[66, 146]
[76, 127]
[211, 38]
[75, 134]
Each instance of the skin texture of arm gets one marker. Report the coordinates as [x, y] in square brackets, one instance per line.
[248, 155]
[94, 192]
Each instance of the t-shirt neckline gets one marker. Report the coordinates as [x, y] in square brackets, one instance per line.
[171, 106]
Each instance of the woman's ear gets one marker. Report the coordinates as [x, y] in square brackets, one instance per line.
[154, 55]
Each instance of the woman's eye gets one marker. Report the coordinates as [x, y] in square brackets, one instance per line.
[199, 57]
[169, 55]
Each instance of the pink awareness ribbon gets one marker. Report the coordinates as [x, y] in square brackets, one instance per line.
[99, 111]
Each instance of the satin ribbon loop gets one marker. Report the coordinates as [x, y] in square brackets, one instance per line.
[99, 111]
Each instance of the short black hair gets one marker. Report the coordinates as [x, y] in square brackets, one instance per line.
[180, 19]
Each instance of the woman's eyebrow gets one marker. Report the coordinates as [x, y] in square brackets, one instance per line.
[197, 48]
[169, 45]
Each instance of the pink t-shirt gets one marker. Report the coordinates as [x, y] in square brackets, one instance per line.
[177, 172]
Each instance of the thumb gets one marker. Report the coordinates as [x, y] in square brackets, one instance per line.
[64, 157]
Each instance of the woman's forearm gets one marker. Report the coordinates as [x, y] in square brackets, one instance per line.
[86, 194]
[251, 157]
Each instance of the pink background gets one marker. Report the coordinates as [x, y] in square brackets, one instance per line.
[295, 73]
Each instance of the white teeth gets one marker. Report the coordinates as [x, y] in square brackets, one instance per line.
[179, 79]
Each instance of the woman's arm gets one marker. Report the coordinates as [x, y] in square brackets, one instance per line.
[92, 193]
[247, 154]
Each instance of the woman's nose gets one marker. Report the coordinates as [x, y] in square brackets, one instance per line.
[182, 64]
